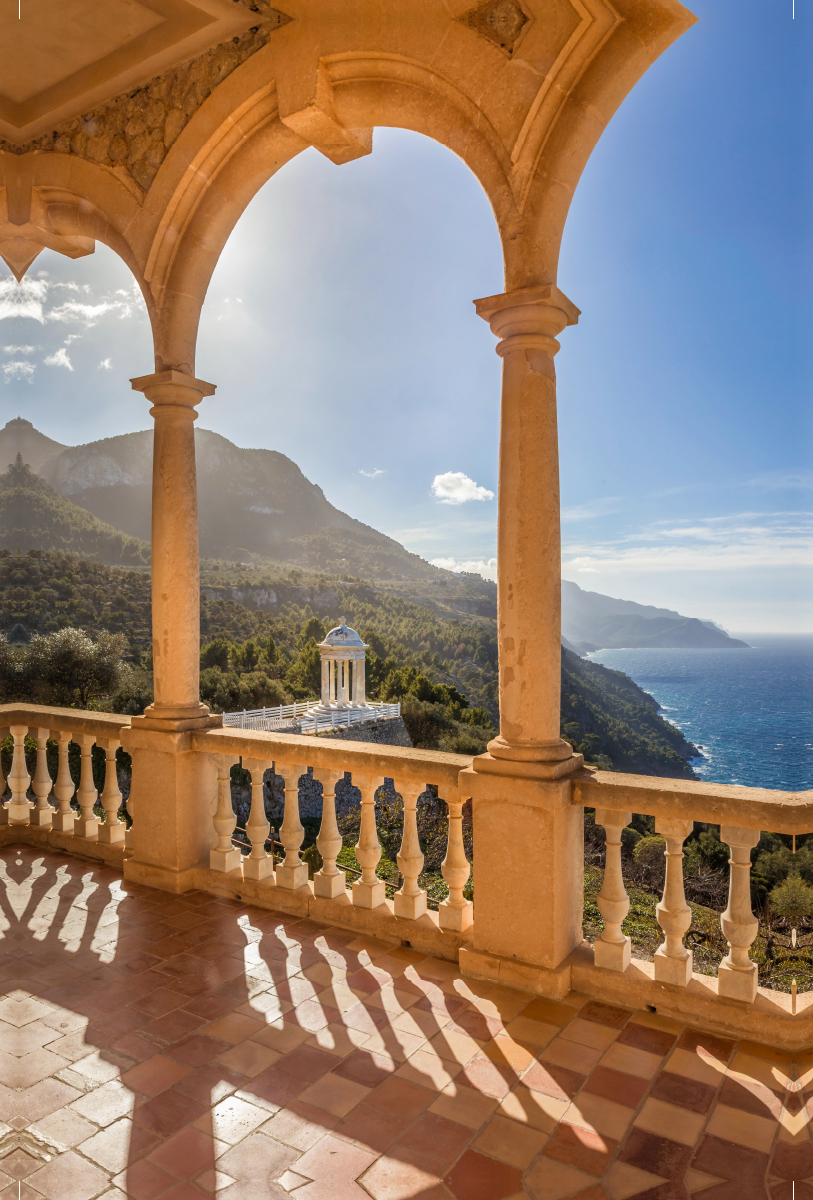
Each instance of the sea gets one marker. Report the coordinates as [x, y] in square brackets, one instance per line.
[749, 712]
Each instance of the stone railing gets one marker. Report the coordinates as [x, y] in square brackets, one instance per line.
[363, 904]
[43, 803]
[204, 856]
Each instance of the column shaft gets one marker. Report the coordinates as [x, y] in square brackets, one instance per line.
[175, 556]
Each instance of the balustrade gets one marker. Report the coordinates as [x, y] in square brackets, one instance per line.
[259, 864]
[329, 881]
[737, 975]
[613, 949]
[369, 767]
[673, 961]
[292, 872]
[113, 830]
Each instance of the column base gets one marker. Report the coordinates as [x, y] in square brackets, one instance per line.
[19, 812]
[111, 835]
[410, 907]
[677, 971]
[329, 886]
[63, 822]
[737, 985]
[87, 828]
[455, 919]
[292, 877]
[612, 956]
[542, 769]
[257, 868]
[225, 860]
[42, 817]
[368, 895]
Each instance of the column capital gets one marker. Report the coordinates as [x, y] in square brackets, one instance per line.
[528, 318]
[168, 387]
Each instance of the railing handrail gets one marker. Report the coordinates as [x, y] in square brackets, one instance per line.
[275, 718]
[401, 762]
[74, 720]
[696, 800]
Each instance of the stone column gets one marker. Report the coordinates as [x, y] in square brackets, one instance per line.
[528, 539]
[361, 681]
[529, 911]
[173, 785]
[175, 556]
[325, 682]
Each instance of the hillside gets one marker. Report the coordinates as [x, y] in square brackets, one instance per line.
[250, 502]
[34, 516]
[604, 714]
[591, 621]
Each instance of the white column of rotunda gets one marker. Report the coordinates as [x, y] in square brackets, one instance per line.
[344, 656]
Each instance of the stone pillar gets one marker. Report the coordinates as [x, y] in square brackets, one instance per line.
[361, 681]
[737, 973]
[173, 786]
[529, 910]
[175, 557]
[528, 539]
[325, 682]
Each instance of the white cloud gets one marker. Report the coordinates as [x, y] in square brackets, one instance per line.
[376, 471]
[59, 359]
[23, 299]
[454, 487]
[28, 299]
[739, 541]
[481, 566]
[105, 365]
[19, 370]
[19, 349]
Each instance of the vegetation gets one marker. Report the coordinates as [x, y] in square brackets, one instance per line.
[259, 637]
[32, 514]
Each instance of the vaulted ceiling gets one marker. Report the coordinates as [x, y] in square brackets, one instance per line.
[59, 60]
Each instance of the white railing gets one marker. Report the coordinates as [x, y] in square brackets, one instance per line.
[269, 719]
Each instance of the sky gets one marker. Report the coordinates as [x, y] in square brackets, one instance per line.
[340, 330]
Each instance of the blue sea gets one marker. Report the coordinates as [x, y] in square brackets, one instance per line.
[749, 711]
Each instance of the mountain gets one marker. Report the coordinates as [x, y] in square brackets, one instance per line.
[250, 502]
[591, 621]
[35, 517]
[20, 437]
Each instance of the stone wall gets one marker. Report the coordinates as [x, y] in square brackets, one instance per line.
[389, 732]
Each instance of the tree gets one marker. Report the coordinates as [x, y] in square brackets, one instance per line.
[793, 900]
[216, 654]
[68, 668]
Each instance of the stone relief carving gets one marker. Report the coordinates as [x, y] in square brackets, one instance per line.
[133, 133]
[499, 21]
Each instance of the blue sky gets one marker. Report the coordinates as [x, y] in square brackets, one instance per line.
[340, 330]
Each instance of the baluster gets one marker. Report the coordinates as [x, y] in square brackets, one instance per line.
[673, 961]
[87, 824]
[113, 830]
[18, 807]
[737, 974]
[258, 864]
[456, 912]
[369, 891]
[128, 832]
[225, 856]
[42, 814]
[410, 900]
[65, 817]
[612, 949]
[329, 881]
[292, 873]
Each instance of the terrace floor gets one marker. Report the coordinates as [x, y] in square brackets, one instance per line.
[186, 1047]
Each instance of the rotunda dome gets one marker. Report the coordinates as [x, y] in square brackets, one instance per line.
[343, 635]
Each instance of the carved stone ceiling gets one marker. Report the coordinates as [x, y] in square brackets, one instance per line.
[60, 59]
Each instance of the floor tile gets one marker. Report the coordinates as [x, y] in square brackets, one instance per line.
[742, 1128]
[334, 1094]
[510, 1142]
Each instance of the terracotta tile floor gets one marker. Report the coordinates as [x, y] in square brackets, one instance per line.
[181, 1046]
